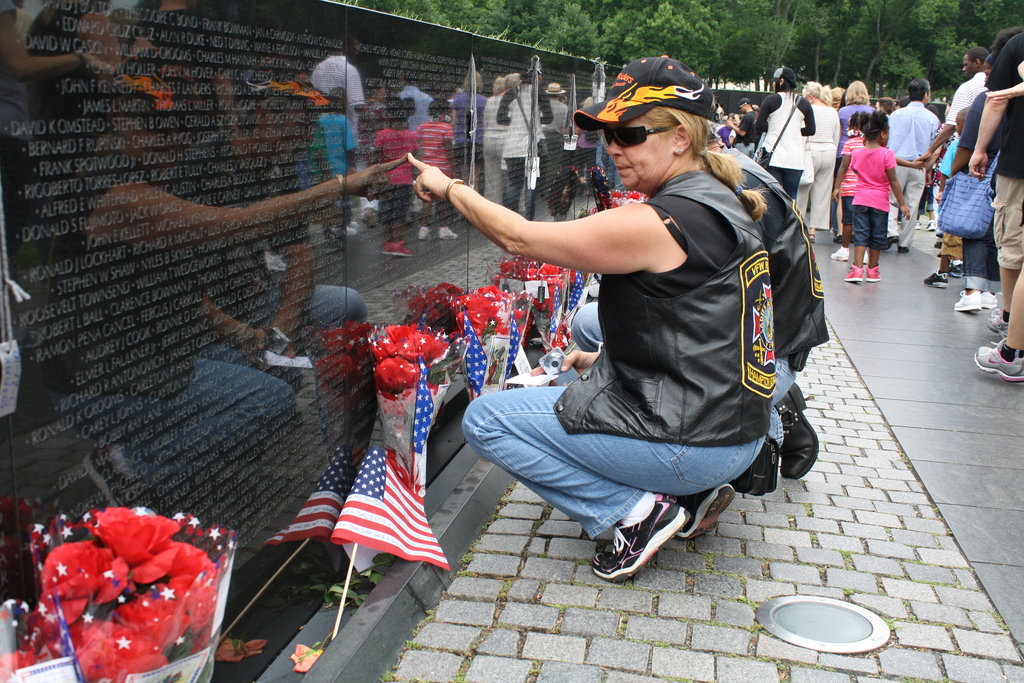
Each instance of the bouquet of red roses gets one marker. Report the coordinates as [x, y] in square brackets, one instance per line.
[414, 369]
[124, 595]
[343, 362]
[492, 322]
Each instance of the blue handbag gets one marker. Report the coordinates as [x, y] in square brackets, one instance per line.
[966, 206]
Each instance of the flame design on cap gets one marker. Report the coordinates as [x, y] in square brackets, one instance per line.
[155, 87]
[647, 94]
[293, 88]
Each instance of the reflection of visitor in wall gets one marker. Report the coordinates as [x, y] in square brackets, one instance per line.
[515, 112]
[420, 100]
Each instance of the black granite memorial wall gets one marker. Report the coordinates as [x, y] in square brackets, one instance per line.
[171, 207]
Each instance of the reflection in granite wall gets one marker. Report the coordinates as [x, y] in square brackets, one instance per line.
[171, 206]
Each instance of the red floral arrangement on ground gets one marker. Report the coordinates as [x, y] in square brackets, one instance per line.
[403, 354]
[122, 591]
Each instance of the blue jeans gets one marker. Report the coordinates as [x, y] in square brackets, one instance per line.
[329, 307]
[225, 406]
[981, 269]
[595, 479]
[789, 178]
[586, 333]
[870, 227]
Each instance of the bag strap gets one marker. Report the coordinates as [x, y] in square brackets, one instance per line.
[792, 111]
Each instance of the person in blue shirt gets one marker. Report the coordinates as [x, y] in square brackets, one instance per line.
[911, 131]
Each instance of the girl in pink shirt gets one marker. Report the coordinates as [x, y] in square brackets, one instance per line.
[875, 166]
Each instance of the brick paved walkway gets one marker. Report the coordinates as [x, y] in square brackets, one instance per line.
[526, 606]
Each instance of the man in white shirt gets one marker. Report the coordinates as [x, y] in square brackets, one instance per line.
[974, 72]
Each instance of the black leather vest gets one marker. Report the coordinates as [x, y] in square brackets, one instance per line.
[694, 369]
[796, 284]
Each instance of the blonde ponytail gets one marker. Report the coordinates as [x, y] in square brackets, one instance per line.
[727, 171]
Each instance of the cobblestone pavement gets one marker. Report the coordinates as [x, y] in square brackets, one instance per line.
[526, 606]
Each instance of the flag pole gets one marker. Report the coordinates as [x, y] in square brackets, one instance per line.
[265, 587]
[344, 593]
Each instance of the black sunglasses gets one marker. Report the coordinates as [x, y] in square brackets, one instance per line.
[627, 137]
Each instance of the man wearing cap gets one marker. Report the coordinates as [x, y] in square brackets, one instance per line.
[744, 140]
[677, 400]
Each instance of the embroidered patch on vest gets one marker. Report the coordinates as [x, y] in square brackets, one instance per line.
[758, 345]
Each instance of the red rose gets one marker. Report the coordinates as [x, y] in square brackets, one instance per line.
[190, 562]
[144, 541]
[83, 572]
[109, 652]
[395, 375]
[159, 615]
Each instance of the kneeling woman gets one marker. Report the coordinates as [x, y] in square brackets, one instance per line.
[677, 400]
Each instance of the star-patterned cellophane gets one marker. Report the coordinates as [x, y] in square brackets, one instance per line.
[122, 591]
[486, 319]
[415, 366]
[550, 288]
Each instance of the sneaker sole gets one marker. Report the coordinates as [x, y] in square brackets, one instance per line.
[395, 253]
[872, 279]
[997, 371]
[658, 540]
[967, 309]
[938, 285]
[708, 516]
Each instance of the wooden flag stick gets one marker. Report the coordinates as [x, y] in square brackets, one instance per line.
[344, 592]
[256, 597]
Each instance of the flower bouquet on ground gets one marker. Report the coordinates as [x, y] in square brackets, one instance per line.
[414, 369]
[124, 596]
[547, 287]
[491, 322]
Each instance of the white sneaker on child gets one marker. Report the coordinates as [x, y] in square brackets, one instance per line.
[445, 233]
[841, 254]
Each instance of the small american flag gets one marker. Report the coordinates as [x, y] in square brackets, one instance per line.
[421, 430]
[318, 516]
[556, 308]
[513, 346]
[383, 513]
[476, 359]
[575, 290]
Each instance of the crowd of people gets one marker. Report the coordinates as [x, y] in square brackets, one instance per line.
[874, 171]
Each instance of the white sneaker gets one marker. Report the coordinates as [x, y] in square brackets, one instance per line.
[445, 233]
[842, 254]
[424, 233]
[988, 300]
[968, 302]
[931, 226]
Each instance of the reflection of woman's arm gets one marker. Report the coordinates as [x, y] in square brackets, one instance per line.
[139, 213]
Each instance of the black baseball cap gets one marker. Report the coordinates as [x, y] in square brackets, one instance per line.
[644, 84]
[786, 74]
[744, 101]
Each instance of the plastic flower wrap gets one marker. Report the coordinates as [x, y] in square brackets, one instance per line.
[344, 364]
[492, 321]
[125, 595]
[434, 307]
[414, 369]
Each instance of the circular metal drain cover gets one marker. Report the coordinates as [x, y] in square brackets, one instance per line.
[823, 624]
